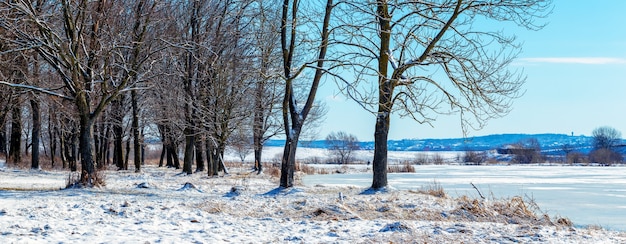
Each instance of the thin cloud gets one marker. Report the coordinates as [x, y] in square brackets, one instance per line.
[572, 60]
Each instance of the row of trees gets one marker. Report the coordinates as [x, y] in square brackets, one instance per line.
[606, 148]
[196, 72]
[191, 72]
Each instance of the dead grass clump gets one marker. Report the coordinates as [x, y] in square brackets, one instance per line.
[472, 209]
[516, 210]
[564, 222]
[434, 189]
[512, 211]
[231, 164]
[306, 169]
[214, 207]
[77, 180]
[272, 171]
[406, 167]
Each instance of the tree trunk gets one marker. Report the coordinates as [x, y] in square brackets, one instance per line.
[72, 147]
[174, 150]
[258, 123]
[170, 157]
[199, 155]
[258, 164]
[88, 173]
[35, 133]
[105, 145]
[135, 129]
[213, 159]
[15, 142]
[189, 146]
[379, 165]
[385, 91]
[211, 165]
[3, 139]
[118, 147]
[97, 141]
[220, 157]
[52, 136]
[162, 155]
[118, 133]
[127, 153]
[288, 162]
[63, 150]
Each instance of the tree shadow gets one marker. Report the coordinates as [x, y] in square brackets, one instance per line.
[374, 191]
[282, 191]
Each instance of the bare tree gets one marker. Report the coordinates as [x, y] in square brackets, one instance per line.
[76, 40]
[241, 142]
[527, 151]
[342, 145]
[430, 57]
[295, 115]
[606, 137]
[267, 88]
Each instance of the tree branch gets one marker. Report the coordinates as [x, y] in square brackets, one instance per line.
[36, 89]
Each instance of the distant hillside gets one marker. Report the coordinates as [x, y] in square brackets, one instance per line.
[548, 143]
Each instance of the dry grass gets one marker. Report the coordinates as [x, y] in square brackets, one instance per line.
[272, 171]
[406, 167]
[75, 179]
[230, 164]
[515, 210]
[434, 189]
[305, 169]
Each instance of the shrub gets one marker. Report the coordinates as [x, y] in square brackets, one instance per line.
[434, 189]
[421, 159]
[605, 156]
[474, 157]
[576, 158]
[438, 159]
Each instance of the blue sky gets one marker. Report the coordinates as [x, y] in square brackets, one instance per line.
[576, 81]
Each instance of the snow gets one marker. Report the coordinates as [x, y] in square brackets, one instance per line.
[581, 193]
[271, 154]
[160, 205]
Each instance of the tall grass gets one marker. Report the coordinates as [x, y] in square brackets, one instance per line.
[406, 167]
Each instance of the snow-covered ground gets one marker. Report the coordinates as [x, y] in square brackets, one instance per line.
[155, 206]
[272, 154]
[587, 195]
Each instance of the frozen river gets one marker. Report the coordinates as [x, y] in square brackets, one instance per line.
[586, 195]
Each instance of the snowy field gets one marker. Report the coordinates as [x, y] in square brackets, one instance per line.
[155, 207]
[272, 154]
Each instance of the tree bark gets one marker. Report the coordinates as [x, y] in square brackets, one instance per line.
[36, 113]
[385, 91]
[135, 129]
[293, 119]
[288, 162]
[3, 139]
[189, 147]
[258, 164]
[85, 145]
[15, 140]
[127, 154]
[212, 159]
[117, 116]
[199, 155]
